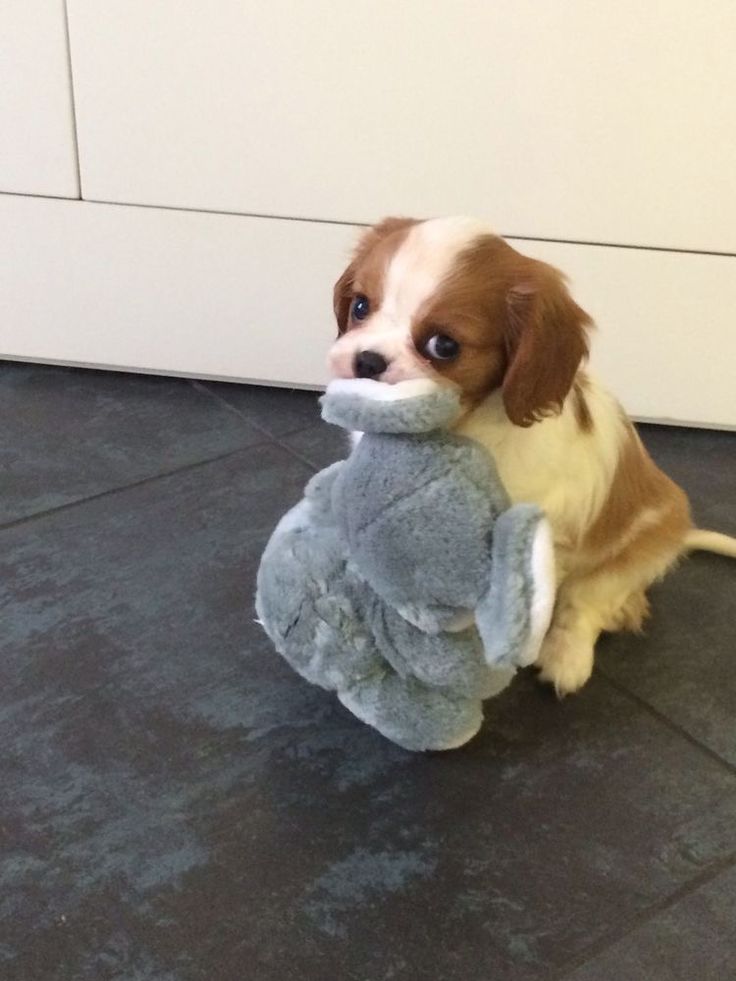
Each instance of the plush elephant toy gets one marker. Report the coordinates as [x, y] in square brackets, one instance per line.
[404, 580]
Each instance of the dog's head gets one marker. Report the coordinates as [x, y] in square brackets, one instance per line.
[447, 297]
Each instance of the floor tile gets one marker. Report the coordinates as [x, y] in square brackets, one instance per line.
[278, 410]
[134, 687]
[319, 444]
[70, 433]
[291, 416]
[703, 463]
[683, 665]
[178, 804]
[694, 939]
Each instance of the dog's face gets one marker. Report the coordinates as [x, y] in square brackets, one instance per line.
[447, 298]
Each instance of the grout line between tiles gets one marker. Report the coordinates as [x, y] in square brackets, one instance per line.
[110, 492]
[642, 917]
[298, 456]
[693, 884]
[672, 726]
[253, 421]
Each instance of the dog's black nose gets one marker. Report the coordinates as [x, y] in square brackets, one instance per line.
[369, 364]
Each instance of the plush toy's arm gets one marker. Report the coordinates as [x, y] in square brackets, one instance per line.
[318, 493]
[321, 484]
[514, 615]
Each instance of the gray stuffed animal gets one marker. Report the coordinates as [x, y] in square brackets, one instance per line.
[403, 580]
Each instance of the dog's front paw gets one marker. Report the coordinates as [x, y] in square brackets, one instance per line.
[565, 661]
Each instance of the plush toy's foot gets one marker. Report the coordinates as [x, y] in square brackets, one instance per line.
[458, 741]
[413, 715]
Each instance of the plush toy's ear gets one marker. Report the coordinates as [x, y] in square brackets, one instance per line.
[546, 340]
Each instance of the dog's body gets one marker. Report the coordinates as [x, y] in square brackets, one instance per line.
[449, 297]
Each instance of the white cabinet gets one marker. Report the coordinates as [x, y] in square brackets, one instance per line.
[584, 122]
[605, 121]
[168, 291]
[664, 338]
[251, 298]
[37, 151]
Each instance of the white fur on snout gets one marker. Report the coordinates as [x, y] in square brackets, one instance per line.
[391, 342]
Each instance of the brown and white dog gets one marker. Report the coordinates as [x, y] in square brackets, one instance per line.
[446, 297]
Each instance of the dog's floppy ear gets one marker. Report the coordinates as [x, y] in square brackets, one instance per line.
[342, 296]
[343, 292]
[546, 340]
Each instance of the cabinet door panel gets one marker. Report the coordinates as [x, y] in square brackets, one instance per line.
[37, 150]
[605, 122]
[251, 299]
[168, 291]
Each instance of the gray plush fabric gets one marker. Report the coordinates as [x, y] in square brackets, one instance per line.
[419, 534]
[504, 613]
[403, 580]
[353, 405]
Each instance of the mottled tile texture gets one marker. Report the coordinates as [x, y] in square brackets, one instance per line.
[176, 804]
[67, 434]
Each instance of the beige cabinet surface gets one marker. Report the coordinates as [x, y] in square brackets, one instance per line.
[251, 299]
[37, 150]
[227, 149]
[568, 119]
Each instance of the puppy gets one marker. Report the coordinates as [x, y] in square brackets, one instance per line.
[447, 298]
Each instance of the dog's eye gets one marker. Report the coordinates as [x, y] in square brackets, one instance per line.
[440, 347]
[361, 307]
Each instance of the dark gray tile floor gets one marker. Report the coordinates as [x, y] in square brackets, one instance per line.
[177, 805]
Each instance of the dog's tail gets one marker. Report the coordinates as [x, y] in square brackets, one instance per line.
[710, 541]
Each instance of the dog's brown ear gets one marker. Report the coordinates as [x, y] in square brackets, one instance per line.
[343, 292]
[342, 296]
[546, 340]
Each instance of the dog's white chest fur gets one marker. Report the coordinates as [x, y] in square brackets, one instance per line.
[553, 463]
